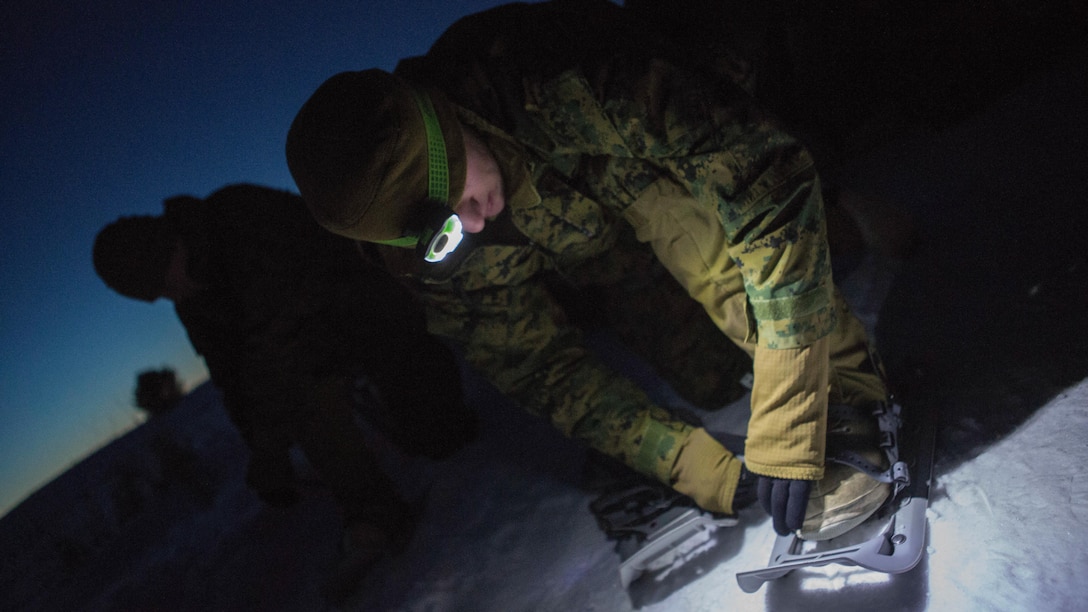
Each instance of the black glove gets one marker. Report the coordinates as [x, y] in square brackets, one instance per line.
[785, 501]
[272, 477]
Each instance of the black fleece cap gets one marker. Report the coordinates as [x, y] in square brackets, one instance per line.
[132, 254]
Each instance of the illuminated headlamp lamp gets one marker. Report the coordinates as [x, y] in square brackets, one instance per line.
[437, 231]
[442, 233]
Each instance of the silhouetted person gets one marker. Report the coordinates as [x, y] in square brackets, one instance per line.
[291, 321]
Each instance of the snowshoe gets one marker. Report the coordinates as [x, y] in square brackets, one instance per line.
[656, 528]
[892, 539]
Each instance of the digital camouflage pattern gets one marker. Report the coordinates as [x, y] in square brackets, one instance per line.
[590, 131]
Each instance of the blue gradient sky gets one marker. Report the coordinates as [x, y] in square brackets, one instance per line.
[107, 108]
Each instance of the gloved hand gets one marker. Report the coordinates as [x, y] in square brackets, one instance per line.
[272, 477]
[786, 501]
[709, 474]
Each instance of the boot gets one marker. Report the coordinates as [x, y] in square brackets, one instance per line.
[846, 496]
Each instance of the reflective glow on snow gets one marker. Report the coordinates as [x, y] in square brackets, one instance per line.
[834, 578]
[697, 545]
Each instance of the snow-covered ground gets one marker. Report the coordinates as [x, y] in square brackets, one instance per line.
[986, 323]
[516, 535]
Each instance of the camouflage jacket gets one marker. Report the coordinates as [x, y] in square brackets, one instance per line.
[583, 124]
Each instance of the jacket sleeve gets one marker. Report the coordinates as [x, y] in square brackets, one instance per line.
[274, 376]
[267, 291]
[517, 337]
[214, 341]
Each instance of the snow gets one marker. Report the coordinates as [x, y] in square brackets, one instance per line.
[1032, 533]
[985, 323]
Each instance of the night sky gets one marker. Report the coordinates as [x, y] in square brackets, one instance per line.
[107, 108]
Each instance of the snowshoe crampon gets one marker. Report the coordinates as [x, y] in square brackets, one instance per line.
[892, 541]
[656, 528]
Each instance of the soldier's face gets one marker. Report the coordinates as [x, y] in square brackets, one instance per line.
[483, 198]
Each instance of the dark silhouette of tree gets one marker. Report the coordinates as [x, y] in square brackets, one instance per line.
[157, 391]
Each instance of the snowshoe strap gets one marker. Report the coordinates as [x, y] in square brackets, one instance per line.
[888, 422]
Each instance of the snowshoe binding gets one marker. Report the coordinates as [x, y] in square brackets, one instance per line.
[892, 539]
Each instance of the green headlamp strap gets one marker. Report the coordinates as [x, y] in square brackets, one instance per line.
[404, 241]
[442, 231]
[438, 171]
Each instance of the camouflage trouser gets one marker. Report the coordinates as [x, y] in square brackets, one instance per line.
[634, 297]
[855, 375]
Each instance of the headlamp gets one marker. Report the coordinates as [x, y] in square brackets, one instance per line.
[446, 240]
[437, 230]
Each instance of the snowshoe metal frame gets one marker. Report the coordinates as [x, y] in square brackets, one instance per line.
[655, 527]
[899, 546]
[684, 529]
